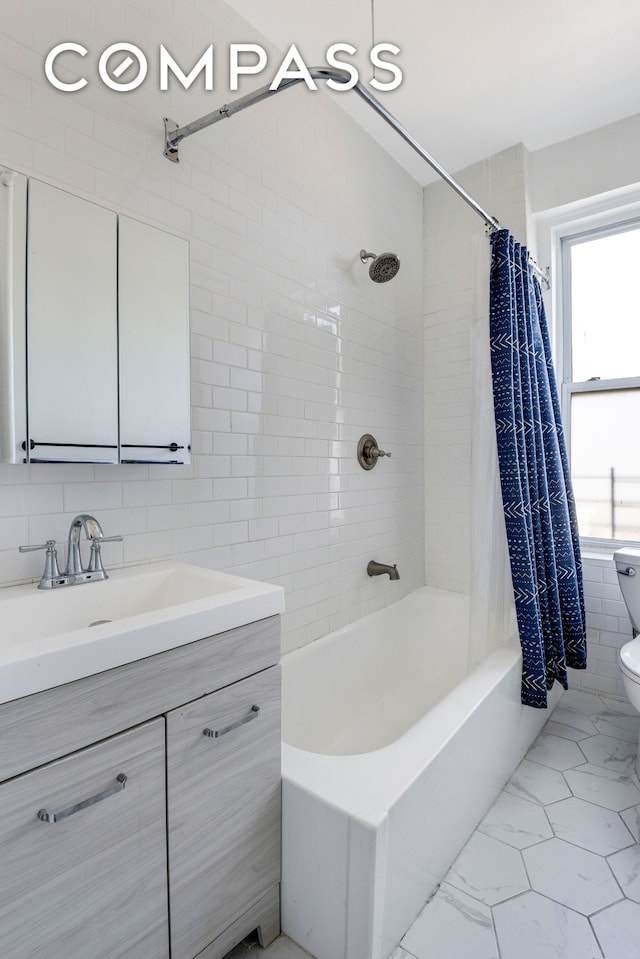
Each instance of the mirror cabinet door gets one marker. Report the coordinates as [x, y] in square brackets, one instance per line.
[94, 332]
[153, 291]
[13, 227]
[72, 383]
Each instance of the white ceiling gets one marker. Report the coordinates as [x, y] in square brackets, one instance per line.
[479, 75]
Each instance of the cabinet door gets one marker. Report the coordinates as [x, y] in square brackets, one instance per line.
[153, 279]
[72, 337]
[13, 251]
[223, 789]
[92, 884]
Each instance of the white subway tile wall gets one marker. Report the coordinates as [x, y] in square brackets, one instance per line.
[608, 628]
[454, 238]
[295, 352]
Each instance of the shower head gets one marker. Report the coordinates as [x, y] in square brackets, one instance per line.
[384, 267]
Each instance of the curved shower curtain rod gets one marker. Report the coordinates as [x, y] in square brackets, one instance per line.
[175, 134]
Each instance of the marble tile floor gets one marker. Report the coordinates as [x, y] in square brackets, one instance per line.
[553, 869]
[282, 948]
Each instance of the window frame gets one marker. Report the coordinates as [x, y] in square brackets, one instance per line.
[558, 232]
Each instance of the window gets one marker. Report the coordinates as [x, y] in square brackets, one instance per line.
[601, 377]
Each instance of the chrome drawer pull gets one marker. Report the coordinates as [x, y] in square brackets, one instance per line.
[216, 733]
[45, 816]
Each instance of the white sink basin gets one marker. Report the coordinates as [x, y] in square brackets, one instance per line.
[47, 637]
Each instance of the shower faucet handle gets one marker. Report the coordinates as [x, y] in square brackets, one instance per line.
[369, 452]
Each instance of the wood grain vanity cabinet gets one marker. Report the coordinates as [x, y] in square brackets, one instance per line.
[145, 799]
[223, 772]
[64, 876]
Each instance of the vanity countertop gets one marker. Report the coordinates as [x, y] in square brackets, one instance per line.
[52, 637]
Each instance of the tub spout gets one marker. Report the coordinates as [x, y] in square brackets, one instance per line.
[376, 569]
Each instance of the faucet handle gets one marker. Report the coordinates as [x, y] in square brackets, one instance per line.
[30, 549]
[51, 568]
[95, 557]
[369, 452]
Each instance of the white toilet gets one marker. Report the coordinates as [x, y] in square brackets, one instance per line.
[628, 568]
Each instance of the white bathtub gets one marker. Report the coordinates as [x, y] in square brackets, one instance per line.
[391, 756]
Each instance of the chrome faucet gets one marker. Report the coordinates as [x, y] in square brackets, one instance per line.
[377, 569]
[75, 573]
[93, 529]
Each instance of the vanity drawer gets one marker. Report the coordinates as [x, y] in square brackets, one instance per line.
[41, 727]
[223, 794]
[83, 862]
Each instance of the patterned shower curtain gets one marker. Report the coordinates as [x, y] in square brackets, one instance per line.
[537, 496]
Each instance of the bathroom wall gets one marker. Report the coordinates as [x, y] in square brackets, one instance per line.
[598, 162]
[456, 250]
[599, 169]
[517, 187]
[295, 352]
[608, 627]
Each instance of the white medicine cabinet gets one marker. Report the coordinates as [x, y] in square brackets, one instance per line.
[94, 359]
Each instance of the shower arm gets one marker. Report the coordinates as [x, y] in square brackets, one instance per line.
[174, 134]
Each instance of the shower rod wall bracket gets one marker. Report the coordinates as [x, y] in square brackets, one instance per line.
[170, 147]
[368, 452]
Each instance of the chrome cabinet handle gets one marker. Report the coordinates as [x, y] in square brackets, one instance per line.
[45, 816]
[629, 571]
[216, 733]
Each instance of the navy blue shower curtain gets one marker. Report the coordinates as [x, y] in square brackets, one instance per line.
[539, 508]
